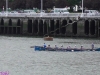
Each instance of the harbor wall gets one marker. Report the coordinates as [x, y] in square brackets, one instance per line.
[63, 27]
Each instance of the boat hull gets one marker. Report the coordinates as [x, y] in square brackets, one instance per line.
[48, 38]
[40, 48]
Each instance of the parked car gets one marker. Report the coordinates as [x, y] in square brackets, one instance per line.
[91, 12]
[61, 10]
[29, 11]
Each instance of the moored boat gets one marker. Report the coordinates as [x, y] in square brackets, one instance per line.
[48, 38]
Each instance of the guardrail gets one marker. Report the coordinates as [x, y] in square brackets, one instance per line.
[48, 15]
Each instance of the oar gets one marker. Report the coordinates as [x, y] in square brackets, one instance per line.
[31, 46]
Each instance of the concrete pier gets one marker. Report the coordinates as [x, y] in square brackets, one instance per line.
[67, 27]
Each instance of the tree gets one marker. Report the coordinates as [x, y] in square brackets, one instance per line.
[60, 3]
[10, 0]
[48, 4]
[29, 4]
[37, 4]
[72, 3]
[16, 4]
[92, 4]
[2, 3]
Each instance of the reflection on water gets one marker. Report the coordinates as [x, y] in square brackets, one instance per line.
[18, 58]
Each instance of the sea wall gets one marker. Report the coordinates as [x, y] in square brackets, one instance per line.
[63, 27]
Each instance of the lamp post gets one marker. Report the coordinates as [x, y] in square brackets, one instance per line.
[6, 7]
[41, 7]
[82, 6]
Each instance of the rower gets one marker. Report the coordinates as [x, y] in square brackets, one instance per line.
[81, 47]
[75, 47]
[62, 47]
[44, 45]
[49, 46]
[69, 47]
[56, 47]
[92, 46]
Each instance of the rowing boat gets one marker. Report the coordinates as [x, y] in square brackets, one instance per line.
[41, 48]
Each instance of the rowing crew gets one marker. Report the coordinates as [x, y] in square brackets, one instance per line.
[69, 47]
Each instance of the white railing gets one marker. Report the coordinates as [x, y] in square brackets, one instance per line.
[48, 15]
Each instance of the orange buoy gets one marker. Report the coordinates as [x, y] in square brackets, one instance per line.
[48, 38]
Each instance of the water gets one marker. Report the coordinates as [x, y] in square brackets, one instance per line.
[18, 58]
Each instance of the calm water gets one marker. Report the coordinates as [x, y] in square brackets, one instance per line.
[18, 58]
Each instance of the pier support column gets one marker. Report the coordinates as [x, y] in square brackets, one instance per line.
[99, 29]
[49, 23]
[55, 27]
[38, 27]
[89, 28]
[45, 27]
[86, 28]
[60, 23]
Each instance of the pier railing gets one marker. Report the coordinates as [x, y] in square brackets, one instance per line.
[49, 15]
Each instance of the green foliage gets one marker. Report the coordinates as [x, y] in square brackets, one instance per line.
[61, 3]
[10, 0]
[49, 4]
[73, 2]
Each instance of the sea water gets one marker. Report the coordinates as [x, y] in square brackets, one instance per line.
[17, 58]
